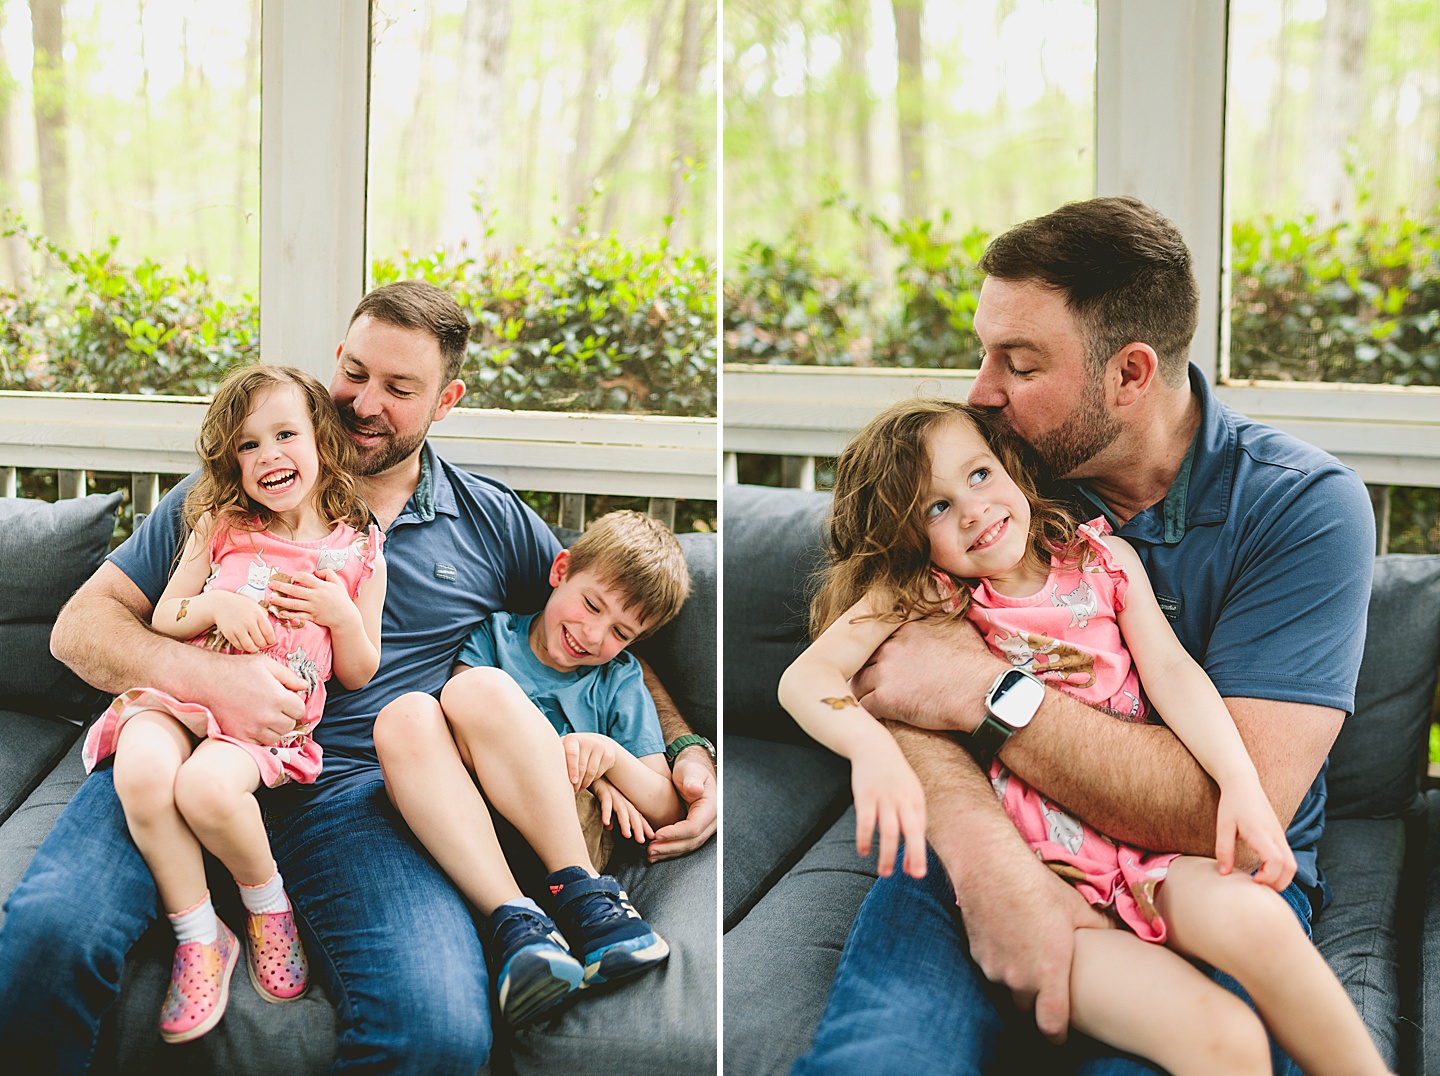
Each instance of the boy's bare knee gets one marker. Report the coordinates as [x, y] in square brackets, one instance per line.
[1231, 1038]
[405, 724]
[481, 697]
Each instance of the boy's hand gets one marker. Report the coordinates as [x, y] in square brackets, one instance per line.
[320, 597]
[1246, 813]
[588, 755]
[888, 795]
[245, 625]
[617, 810]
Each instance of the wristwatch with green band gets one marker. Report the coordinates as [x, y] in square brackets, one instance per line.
[690, 739]
[1010, 704]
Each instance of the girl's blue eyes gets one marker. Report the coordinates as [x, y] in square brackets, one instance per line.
[979, 475]
[936, 508]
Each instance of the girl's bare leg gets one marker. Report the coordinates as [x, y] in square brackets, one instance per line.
[215, 791]
[151, 749]
[1248, 930]
[1141, 997]
[513, 751]
[430, 786]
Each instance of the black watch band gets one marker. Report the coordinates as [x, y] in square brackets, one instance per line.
[987, 740]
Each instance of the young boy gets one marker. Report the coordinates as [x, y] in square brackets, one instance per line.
[547, 711]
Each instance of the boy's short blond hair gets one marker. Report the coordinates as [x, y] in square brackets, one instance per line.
[639, 557]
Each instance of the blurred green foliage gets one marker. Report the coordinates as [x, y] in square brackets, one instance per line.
[1356, 302]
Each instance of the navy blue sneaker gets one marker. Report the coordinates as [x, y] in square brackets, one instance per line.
[612, 940]
[536, 970]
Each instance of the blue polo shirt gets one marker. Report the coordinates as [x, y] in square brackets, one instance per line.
[463, 547]
[1261, 555]
[610, 699]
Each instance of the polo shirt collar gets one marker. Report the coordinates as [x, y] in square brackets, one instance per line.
[1201, 491]
[434, 494]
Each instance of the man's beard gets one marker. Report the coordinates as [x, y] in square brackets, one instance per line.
[1089, 430]
[384, 454]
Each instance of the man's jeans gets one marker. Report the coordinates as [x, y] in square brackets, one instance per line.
[398, 951]
[907, 999]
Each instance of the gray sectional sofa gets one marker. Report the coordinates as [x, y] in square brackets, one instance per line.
[793, 882]
[664, 1023]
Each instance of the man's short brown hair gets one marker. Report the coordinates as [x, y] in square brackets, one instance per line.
[1124, 270]
[640, 558]
[414, 304]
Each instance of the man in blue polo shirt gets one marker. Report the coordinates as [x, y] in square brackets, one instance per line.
[1259, 548]
[399, 948]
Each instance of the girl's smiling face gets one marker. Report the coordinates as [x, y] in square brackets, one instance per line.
[276, 451]
[977, 517]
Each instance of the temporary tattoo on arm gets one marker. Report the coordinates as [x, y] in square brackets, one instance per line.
[840, 704]
[181, 614]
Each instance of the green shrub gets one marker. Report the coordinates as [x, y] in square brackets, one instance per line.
[96, 324]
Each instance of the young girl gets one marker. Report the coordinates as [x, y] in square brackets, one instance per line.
[281, 560]
[935, 514]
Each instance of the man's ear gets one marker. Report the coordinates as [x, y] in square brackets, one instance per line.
[449, 397]
[1134, 368]
[560, 567]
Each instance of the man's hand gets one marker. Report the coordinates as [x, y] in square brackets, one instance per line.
[694, 777]
[1022, 935]
[255, 698]
[931, 674]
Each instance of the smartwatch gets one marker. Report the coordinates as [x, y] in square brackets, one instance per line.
[690, 739]
[1010, 704]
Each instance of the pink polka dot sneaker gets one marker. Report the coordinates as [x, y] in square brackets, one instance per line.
[199, 986]
[275, 957]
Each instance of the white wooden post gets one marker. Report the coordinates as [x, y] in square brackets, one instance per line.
[1160, 132]
[313, 141]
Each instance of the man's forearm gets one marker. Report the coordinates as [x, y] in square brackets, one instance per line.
[103, 635]
[1134, 782]
[672, 725]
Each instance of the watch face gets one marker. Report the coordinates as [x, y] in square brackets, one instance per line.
[1016, 698]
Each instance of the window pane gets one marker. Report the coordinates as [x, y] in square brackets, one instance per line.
[551, 164]
[871, 147]
[1331, 116]
[129, 171]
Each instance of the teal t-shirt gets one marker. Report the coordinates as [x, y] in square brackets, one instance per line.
[610, 699]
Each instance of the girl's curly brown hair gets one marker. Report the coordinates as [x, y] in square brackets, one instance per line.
[217, 492]
[876, 536]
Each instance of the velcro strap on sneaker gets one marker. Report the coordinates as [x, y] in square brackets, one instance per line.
[574, 890]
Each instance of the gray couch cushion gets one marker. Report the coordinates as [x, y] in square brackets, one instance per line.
[1362, 931]
[683, 651]
[663, 1023]
[29, 747]
[1427, 987]
[781, 958]
[46, 552]
[772, 551]
[22, 832]
[1376, 762]
[778, 799]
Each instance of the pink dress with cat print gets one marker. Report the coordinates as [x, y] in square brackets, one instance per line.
[244, 562]
[1068, 636]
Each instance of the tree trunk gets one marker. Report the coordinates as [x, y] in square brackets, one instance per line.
[578, 189]
[909, 98]
[480, 100]
[687, 73]
[147, 161]
[643, 100]
[1272, 160]
[14, 246]
[1337, 107]
[47, 25]
[413, 166]
[857, 44]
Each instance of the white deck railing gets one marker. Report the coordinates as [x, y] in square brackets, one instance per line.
[1390, 436]
[657, 457]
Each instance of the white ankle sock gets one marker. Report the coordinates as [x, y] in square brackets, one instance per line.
[196, 923]
[267, 897]
[523, 902]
